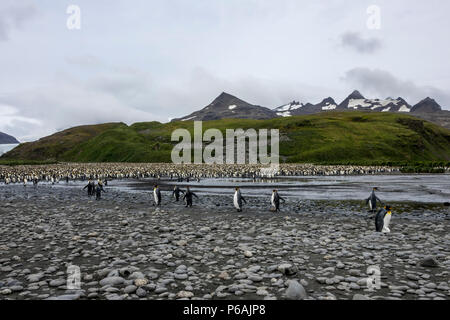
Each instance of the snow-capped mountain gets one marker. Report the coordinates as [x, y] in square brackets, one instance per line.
[296, 108]
[327, 104]
[288, 110]
[356, 101]
[228, 106]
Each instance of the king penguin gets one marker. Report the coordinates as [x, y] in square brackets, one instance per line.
[176, 193]
[383, 219]
[275, 200]
[157, 195]
[372, 200]
[238, 198]
[188, 197]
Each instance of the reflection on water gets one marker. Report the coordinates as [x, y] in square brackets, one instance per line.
[417, 188]
[396, 188]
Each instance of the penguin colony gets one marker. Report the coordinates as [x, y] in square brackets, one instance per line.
[104, 172]
[84, 171]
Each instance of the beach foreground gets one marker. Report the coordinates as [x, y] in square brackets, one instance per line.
[127, 249]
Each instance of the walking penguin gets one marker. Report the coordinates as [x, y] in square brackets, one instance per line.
[275, 200]
[157, 195]
[176, 193]
[188, 197]
[372, 201]
[383, 219]
[238, 198]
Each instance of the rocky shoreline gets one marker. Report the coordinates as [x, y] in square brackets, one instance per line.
[128, 249]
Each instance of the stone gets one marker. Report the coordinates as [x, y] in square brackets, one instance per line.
[57, 282]
[295, 291]
[130, 289]
[140, 282]
[141, 293]
[287, 269]
[429, 262]
[185, 294]
[248, 254]
[112, 281]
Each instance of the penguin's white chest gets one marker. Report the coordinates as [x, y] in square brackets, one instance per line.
[236, 201]
[155, 195]
[273, 199]
[386, 222]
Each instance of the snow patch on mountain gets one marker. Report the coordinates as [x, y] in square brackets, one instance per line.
[187, 119]
[289, 107]
[404, 109]
[358, 103]
[329, 106]
[284, 114]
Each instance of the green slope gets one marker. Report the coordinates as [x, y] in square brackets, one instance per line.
[334, 137]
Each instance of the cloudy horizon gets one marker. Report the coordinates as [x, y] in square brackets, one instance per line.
[135, 61]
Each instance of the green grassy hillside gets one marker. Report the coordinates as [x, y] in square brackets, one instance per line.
[334, 137]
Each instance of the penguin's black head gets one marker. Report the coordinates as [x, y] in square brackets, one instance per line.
[274, 190]
[375, 188]
[387, 207]
[237, 188]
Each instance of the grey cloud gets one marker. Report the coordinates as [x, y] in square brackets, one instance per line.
[202, 86]
[13, 16]
[85, 61]
[44, 110]
[355, 41]
[381, 83]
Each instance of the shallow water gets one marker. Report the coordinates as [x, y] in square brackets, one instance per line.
[400, 188]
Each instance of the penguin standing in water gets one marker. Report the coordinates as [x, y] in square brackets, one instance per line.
[383, 219]
[372, 201]
[238, 198]
[90, 188]
[156, 196]
[275, 200]
[176, 193]
[98, 190]
[188, 197]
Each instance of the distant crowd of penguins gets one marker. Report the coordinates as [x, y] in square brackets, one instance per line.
[84, 171]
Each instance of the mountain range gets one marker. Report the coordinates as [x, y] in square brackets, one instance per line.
[7, 139]
[229, 106]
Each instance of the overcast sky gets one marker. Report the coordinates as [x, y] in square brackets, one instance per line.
[159, 59]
